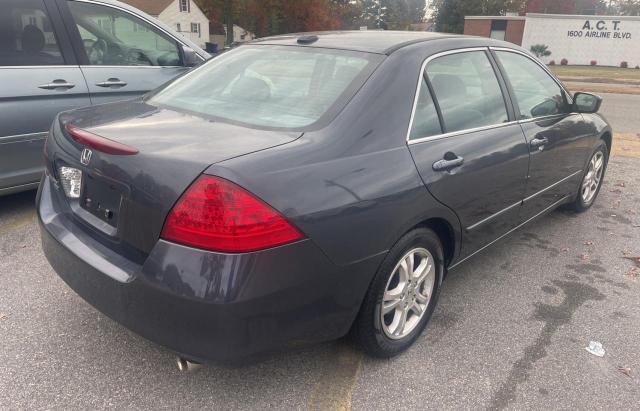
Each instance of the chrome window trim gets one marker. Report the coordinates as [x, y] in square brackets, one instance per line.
[90, 66]
[419, 88]
[38, 67]
[543, 67]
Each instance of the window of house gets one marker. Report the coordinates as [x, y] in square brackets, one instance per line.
[178, 28]
[467, 91]
[185, 6]
[195, 28]
[26, 35]
[498, 29]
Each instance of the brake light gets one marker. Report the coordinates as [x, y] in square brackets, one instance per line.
[218, 215]
[99, 143]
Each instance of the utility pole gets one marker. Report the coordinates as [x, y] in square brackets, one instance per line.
[228, 18]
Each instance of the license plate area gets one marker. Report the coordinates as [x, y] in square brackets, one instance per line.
[102, 199]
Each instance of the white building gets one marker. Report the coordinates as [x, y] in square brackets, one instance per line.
[184, 16]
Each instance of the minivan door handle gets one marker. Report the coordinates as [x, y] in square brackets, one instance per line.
[112, 82]
[57, 84]
[449, 161]
[539, 143]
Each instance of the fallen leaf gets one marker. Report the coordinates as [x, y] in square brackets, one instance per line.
[621, 184]
[588, 242]
[626, 252]
[3, 316]
[616, 190]
[584, 256]
[633, 272]
[636, 260]
[626, 371]
[564, 249]
[630, 211]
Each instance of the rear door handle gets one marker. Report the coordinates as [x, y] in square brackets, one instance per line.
[539, 143]
[448, 164]
[112, 82]
[57, 84]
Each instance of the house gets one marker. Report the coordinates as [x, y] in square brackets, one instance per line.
[218, 34]
[184, 16]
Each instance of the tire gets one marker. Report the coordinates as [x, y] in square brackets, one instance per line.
[372, 331]
[583, 203]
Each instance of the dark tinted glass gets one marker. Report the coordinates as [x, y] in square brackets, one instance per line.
[425, 119]
[467, 90]
[536, 92]
[26, 35]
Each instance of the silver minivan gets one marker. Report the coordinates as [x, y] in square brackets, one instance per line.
[56, 55]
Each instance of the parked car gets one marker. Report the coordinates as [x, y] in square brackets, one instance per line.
[297, 188]
[57, 55]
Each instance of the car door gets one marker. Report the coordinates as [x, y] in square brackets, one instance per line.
[122, 55]
[39, 78]
[553, 132]
[470, 152]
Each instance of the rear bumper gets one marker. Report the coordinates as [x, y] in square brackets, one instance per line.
[203, 305]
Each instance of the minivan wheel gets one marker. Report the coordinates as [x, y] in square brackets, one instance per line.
[592, 178]
[402, 295]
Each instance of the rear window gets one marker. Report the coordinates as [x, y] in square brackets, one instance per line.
[270, 86]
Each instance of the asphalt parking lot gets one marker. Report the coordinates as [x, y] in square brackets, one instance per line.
[510, 330]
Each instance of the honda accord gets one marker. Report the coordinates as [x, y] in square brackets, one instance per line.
[300, 188]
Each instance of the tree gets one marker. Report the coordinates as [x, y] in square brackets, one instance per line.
[540, 50]
[450, 14]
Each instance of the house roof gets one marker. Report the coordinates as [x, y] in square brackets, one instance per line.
[152, 7]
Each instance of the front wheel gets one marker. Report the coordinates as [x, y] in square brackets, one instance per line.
[592, 178]
[402, 295]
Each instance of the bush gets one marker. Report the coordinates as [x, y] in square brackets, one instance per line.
[624, 64]
[637, 67]
[564, 62]
[593, 63]
[552, 63]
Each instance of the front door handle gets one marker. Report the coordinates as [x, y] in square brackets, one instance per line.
[112, 82]
[539, 143]
[449, 161]
[58, 84]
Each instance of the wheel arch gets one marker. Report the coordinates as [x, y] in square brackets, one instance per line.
[608, 139]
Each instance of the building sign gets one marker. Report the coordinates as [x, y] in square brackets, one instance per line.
[607, 40]
[601, 29]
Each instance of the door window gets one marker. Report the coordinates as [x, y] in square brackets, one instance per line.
[26, 35]
[115, 38]
[467, 91]
[425, 118]
[537, 94]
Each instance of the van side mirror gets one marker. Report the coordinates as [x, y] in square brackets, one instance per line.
[586, 103]
[189, 57]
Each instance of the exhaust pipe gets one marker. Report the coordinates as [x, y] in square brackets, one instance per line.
[185, 365]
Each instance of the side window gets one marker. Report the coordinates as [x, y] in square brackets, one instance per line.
[26, 35]
[537, 94]
[115, 38]
[425, 119]
[467, 90]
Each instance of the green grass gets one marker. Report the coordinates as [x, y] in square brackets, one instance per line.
[596, 72]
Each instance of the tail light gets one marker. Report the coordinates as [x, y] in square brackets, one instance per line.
[99, 143]
[218, 215]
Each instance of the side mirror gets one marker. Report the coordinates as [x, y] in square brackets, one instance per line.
[189, 57]
[586, 103]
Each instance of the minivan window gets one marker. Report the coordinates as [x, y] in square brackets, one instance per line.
[115, 38]
[270, 86]
[425, 118]
[26, 35]
[467, 90]
[537, 94]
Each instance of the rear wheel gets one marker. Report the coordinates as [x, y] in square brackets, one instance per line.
[402, 295]
[592, 178]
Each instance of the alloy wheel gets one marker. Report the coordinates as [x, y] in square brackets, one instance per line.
[592, 178]
[408, 293]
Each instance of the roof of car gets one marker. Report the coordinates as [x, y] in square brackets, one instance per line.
[371, 41]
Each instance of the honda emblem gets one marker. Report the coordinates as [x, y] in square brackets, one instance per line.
[85, 157]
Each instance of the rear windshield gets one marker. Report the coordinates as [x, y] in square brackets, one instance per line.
[270, 86]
